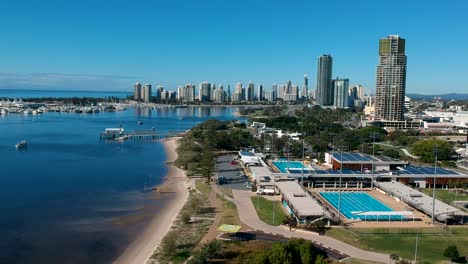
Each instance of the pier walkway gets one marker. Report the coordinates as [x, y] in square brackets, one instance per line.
[151, 134]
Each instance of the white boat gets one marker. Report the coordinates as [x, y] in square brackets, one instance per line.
[122, 138]
[22, 145]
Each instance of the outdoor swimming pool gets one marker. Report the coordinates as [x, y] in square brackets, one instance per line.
[360, 202]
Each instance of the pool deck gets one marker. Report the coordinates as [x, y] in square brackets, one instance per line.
[249, 216]
[424, 221]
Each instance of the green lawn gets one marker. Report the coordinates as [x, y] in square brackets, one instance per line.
[203, 187]
[229, 212]
[431, 244]
[446, 196]
[264, 209]
[358, 261]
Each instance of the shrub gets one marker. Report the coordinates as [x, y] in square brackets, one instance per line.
[185, 218]
[451, 252]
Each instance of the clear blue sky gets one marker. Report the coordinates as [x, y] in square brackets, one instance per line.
[108, 45]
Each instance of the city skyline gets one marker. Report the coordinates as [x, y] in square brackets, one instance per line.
[162, 44]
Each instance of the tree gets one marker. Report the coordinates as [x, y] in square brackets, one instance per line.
[169, 243]
[320, 260]
[207, 164]
[425, 149]
[451, 252]
[279, 254]
[185, 218]
[392, 153]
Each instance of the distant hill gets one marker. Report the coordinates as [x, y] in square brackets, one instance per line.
[450, 96]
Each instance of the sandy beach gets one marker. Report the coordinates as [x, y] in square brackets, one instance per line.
[140, 250]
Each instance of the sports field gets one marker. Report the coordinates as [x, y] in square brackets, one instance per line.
[401, 241]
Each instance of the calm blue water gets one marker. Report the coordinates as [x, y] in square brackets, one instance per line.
[10, 93]
[71, 198]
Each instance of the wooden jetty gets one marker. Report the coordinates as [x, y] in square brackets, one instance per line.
[151, 134]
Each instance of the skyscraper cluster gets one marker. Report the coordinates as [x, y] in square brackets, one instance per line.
[390, 89]
[142, 93]
[334, 92]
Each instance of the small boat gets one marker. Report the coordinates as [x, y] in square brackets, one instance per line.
[140, 123]
[22, 145]
[122, 138]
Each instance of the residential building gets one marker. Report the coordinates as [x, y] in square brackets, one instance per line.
[146, 94]
[325, 91]
[137, 91]
[204, 92]
[391, 79]
[261, 95]
[250, 92]
[305, 88]
[341, 87]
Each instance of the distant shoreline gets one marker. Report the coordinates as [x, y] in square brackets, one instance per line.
[143, 247]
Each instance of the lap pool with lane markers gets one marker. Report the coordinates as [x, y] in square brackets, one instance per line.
[360, 202]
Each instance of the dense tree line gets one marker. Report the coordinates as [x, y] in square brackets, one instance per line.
[196, 149]
[327, 129]
[292, 252]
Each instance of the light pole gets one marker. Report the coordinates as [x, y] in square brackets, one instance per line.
[289, 153]
[303, 150]
[434, 185]
[341, 175]
[273, 203]
[416, 247]
[373, 135]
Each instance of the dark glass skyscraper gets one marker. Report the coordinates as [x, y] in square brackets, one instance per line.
[325, 91]
[391, 79]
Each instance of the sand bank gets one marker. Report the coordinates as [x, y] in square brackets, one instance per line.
[175, 182]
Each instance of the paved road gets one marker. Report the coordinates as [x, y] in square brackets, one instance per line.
[249, 216]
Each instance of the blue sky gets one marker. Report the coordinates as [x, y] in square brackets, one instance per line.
[108, 45]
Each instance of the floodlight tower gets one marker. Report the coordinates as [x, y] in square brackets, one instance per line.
[434, 184]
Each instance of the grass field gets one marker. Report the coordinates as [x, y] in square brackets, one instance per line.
[229, 212]
[358, 261]
[204, 188]
[264, 209]
[446, 196]
[431, 244]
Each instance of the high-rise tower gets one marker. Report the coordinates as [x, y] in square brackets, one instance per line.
[204, 94]
[250, 92]
[305, 88]
[325, 92]
[341, 87]
[137, 91]
[146, 94]
[391, 79]
[261, 93]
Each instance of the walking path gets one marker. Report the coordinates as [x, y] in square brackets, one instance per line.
[248, 216]
[405, 151]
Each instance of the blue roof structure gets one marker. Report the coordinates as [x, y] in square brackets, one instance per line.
[351, 157]
[413, 170]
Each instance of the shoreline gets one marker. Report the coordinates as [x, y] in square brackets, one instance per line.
[143, 247]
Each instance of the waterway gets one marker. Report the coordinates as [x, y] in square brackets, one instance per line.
[72, 198]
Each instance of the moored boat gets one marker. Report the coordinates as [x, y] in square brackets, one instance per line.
[22, 145]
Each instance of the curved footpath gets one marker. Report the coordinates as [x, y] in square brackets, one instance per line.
[248, 216]
[175, 182]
